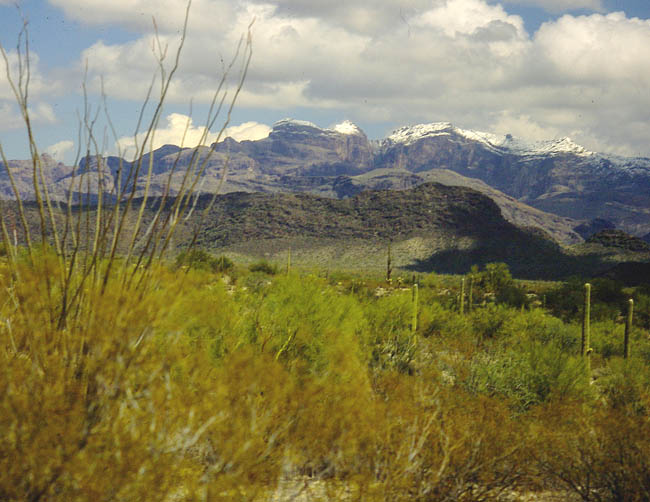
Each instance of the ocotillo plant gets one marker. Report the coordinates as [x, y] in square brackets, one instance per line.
[585, 348]
[628, 328]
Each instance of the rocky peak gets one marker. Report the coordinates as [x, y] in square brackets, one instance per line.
[348, 128]
[503, 144]
[295, 127]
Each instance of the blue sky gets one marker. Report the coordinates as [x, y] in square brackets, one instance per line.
[537, 69]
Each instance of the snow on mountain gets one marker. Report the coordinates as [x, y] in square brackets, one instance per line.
[546, 147]
[347, 127]
[410, 134]
[497, 143]
[295, 123]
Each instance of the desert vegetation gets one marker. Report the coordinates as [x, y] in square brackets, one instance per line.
[229, 383]
[131, 373]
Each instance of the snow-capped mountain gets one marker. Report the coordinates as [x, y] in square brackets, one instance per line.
[507, 144]
[496, 143]
[556, 176]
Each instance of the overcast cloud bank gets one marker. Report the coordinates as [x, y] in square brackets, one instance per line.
[395, 62]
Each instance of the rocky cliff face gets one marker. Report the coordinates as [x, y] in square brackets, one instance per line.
[555, 176]
[555, 185]
[303, 149]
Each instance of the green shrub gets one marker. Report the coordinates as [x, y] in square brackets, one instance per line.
[200, 259]
[390, 340]
[642, 310]
[625, 384]
[209, 316]
[538, 374]
[608, 300]
[264, 267]
[490, 322]
[513, 295]
[308, 325]
[539, 327]
[607, 338]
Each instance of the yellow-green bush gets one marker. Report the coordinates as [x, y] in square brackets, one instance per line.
[177, 385]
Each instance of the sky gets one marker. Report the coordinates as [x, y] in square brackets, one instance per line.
[536, 69]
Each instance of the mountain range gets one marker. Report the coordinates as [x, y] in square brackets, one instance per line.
[556, 185]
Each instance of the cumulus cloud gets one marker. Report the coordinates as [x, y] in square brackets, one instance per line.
[180, 130]
[597, 47]
[39, 84]
[247, 131]
[304, 61]
[59, 150]
[523, 126]
[138, 15]
[466, 17]
[40, 113]
[371, 17]
[398, 62]
[11, 118]
[557, 6]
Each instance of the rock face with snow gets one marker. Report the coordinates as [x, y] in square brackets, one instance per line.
[300, 148]
[555, 176]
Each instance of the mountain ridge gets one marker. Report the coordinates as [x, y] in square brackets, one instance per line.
[556, 185]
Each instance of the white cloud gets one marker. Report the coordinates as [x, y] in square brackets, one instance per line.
[523, 126]
[59, 150]
[39, 84]
[596, 48]
[370, 17]
[180, 130]
[138, 14]
[11, 118]
[40, 113]
[557, 6]
[399, 62]
[247, 131]
[466, 17]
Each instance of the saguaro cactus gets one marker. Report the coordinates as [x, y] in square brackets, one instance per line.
[585, 348]
[469, 293]
[628, 328]
[389, 265]
[462, 295]
[289, 261]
